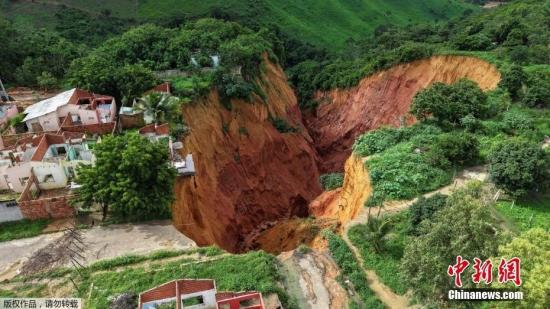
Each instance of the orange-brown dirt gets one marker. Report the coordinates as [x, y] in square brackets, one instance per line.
[384, 99]
[247, 173]
[254, 185]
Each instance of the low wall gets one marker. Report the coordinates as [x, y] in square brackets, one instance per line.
[43, 208]
[98, 128]
[55, 208]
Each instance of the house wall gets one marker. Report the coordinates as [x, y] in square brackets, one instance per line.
[8, 214]
[49, 122]
[9, 113]
[99, 128]
[208, 298]
[43, 169]
[88, 116]
[56, 208]
[132, 121]
[33, 209]
[14, 175]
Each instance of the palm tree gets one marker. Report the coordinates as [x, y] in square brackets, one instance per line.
[377, 231]
[161, 106]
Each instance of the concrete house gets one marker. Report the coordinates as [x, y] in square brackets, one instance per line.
[52, 158]
[83, 108]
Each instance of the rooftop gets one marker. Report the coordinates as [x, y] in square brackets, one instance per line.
[49, 105]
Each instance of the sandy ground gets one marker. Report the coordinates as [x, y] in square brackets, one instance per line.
[102, 242]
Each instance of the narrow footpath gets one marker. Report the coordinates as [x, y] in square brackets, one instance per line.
[383, 292]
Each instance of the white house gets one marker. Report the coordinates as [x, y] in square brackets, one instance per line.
[83, 107]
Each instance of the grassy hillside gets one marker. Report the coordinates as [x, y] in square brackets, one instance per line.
[328, 23]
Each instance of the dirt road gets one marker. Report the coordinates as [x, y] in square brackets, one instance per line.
[102, 243]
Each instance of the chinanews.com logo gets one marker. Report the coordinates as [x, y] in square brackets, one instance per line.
[507, 270]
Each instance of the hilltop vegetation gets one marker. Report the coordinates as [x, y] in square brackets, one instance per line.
[517, 32]
[324, 24]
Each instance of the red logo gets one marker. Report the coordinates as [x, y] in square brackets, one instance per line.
[457, 269]
[484, 271]
[507, 271]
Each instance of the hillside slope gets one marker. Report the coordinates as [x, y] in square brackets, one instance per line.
[326, 24]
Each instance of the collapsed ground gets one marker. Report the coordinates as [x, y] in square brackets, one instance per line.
[256, 180]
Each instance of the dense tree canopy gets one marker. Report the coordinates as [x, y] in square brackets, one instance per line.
[519, 167]
[466, 227]
[28, 54]
[131, 178]
[533, 248]
[448, 104]
[124, 65]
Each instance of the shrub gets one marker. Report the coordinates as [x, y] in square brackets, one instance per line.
[424, 209]
[282, 125]
[448, 104]
[515, 122]
[377, 141]
[465, 226]
[519, 167]
[513, 80]
[458, 148]
[381, 139]
[331, 181]
[401, 173]
[537, 96]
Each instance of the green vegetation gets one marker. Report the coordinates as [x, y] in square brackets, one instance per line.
[385, 263]
[533, 248]
[343, 256]
[447, 105]
[377, 141]
[331, 181]
[190, 48]
[424, 209]
[21, 229]
[251, 271]
[530, 212]
[327, 25]
[466, 227]
[282, 125]
[519, 167]
[403, 172]
[123, 181]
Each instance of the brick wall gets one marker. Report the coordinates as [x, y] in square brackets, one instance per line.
[43, 208]
[97, 128]
[131, 121]
[55, 208]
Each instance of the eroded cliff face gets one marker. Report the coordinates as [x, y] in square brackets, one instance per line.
[344, 204]
[255, 186]
[384, 99]
[249, 176]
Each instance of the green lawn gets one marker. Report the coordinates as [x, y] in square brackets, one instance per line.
[387, 264]
[21, 229]
[251, 271]
[526, 214]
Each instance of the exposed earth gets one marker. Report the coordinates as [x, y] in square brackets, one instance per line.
[252, 179]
